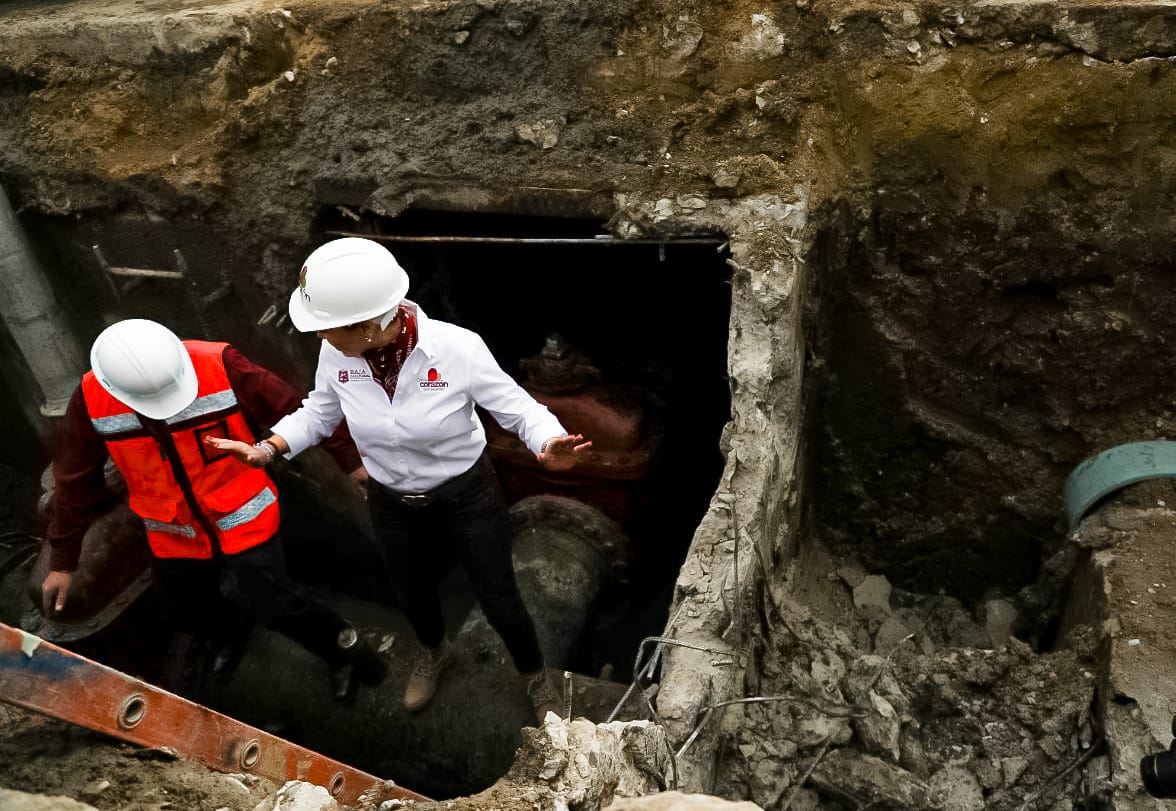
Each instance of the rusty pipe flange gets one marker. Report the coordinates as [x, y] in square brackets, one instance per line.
[113, 571]
[558, 369]
[602, 535]
[565, 555]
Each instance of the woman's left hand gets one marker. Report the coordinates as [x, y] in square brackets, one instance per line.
[561, 452]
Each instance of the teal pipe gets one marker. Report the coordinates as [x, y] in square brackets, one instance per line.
[1114, 469]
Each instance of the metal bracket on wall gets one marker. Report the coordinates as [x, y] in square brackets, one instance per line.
[137, 276]
[271, 313]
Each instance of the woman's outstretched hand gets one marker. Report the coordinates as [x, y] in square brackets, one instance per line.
[562, 452]
[258, 455]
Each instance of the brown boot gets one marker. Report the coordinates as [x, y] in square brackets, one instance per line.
[426, 672]
[545, 696]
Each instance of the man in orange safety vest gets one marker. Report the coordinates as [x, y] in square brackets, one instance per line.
[211, 520]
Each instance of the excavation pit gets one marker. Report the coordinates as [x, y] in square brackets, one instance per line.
[946, 234]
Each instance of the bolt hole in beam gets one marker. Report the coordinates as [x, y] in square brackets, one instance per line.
[250, 754]
[651, 314]
[132, 711]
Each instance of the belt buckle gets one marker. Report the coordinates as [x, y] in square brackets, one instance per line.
[414, 500]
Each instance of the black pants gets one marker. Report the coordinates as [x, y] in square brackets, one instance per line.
[463, 520]
[221, 599]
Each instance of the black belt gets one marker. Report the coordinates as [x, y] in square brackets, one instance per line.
[441, 491]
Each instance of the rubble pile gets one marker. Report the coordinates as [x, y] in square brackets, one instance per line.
[933, 720]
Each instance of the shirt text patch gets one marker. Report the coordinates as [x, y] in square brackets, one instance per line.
[433, 381]
[347, 375]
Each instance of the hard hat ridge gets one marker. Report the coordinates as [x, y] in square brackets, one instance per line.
[143, 364]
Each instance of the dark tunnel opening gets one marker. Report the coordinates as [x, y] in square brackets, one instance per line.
[651, 316]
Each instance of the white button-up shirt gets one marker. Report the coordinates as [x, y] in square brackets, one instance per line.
[428, 433]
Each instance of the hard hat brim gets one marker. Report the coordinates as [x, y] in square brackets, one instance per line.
[307, 320]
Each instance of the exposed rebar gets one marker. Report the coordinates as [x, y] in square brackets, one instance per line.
[807, 772]
[1085, 756]
[849, 711]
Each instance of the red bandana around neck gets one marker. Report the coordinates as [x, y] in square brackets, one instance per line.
[386, 361]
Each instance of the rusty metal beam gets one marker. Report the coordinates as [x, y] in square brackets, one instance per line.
[602, 239]
[46, 679]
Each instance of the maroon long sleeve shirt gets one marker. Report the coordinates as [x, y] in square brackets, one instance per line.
[79, 481]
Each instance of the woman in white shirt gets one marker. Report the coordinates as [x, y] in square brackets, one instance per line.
[407, 386]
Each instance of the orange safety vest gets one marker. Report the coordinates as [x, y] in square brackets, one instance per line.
[237, 503]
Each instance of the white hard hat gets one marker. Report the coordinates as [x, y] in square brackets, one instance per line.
[346, 281]
[145, 366]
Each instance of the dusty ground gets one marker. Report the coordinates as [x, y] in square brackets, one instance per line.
[45, 756]
[42, 756]
[902, 701]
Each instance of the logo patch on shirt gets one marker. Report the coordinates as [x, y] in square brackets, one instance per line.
[434, 381]
[347, 375]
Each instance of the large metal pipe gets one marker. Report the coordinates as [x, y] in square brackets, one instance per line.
[466, 737]
[34, 319]
[113, 569]
[564, 552]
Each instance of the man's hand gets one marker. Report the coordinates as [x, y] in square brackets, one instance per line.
[562, 452]
[53, 591]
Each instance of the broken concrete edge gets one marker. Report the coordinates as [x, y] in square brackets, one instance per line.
[753, 510]
[408, 191]
[11, 798]
[1134, 699]
[576, 764]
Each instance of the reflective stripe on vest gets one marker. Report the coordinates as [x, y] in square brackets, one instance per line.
[208, 404]
[183, 530]
[247, 511]
[243, 514]
[118, 424]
